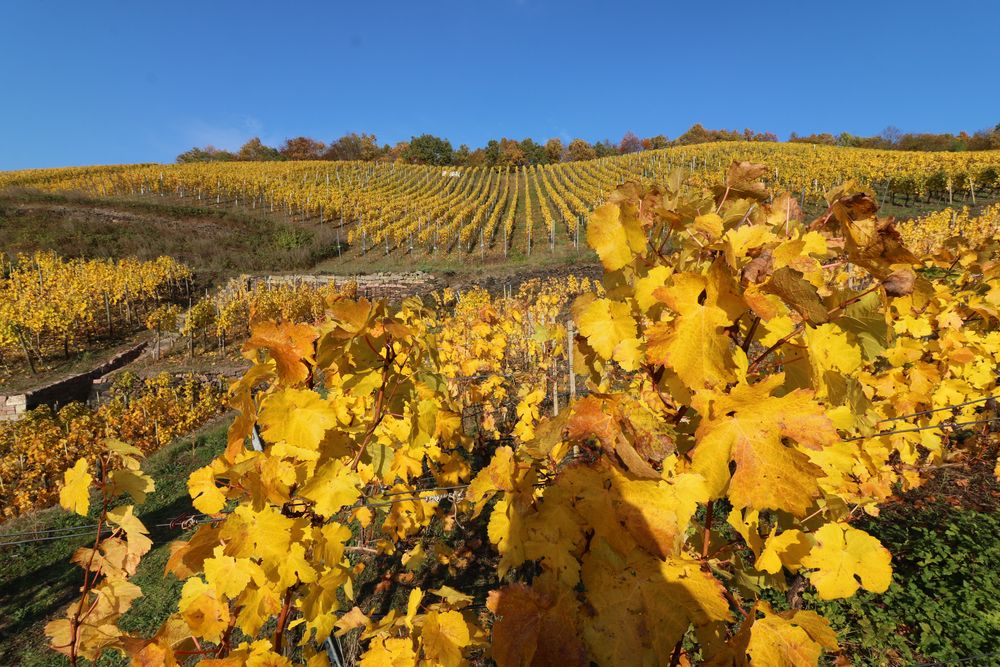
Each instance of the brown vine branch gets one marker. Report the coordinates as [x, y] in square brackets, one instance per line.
[675, 657]
[748, 339]
[279, 632]
[379, 402]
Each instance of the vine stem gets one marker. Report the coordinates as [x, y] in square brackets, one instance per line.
[279, 632]
[750, 333]
[732, 601]
[675, 658]
[379, 401]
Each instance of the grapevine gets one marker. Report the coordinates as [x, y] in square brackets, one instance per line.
[741, 364]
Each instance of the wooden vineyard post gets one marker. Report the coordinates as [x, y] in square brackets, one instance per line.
[107, 312]
[888, 186]
[569, 360]
[527, 208]
[555, 387]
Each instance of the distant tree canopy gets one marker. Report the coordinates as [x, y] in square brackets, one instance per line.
[302, 148]
[892, 138]
[507, 152]
[207, 154]
[254, 150]
[428, 149]
[354, 147]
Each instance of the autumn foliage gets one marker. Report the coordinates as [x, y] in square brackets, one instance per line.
[755, 382]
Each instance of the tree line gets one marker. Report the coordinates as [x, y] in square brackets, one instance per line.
[892, 138]
[432, 150]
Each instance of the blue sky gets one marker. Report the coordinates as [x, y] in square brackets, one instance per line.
[113, 82]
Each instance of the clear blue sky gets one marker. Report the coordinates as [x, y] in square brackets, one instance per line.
[108, 82]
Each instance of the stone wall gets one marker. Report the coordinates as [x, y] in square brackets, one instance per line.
[391, 286]
[12, 406]
[73, 388]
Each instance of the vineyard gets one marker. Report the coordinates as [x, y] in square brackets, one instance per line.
[36, 450]
[669, 466]
[388, 209]
[51, 306]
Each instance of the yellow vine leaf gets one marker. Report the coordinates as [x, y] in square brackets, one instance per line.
[454, 598]
[353, 619]
[229, 575]
[845, 559]
[798, 293]
[205, 495]
[747, 427]
[137, 536]
[831, 356]
[206, 614]
[615, 234]
[497, 476]
[657, 513]
[746, 522]
[693, 344]
[333, 487]
[787, 549]
[75, 493]
[527, 414]
[412, 606]
[298, 417]
[97, 628]
[390, 652]
[708, 226]
[789, 639]
[133, 482]
[645, 287]
[268, 533]
[643, 606]
[443, 637]
[610, 329]
[741, 239]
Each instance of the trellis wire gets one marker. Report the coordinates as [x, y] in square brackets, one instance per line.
[947, 407]
[922, 428]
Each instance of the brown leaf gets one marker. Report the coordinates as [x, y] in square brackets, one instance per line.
[900, 282]
[759, 268]
[854, 207]
[591, 420]
[743, 182]
[793, 289]
[533, 629]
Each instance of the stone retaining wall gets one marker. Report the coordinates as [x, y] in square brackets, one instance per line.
[73, 388]
[391, 286]
[12, 406]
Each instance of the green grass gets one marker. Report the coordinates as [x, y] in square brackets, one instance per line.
[37, 580]
[215, 243]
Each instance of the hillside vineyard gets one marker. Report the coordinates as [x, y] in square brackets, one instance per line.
[393, 207]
